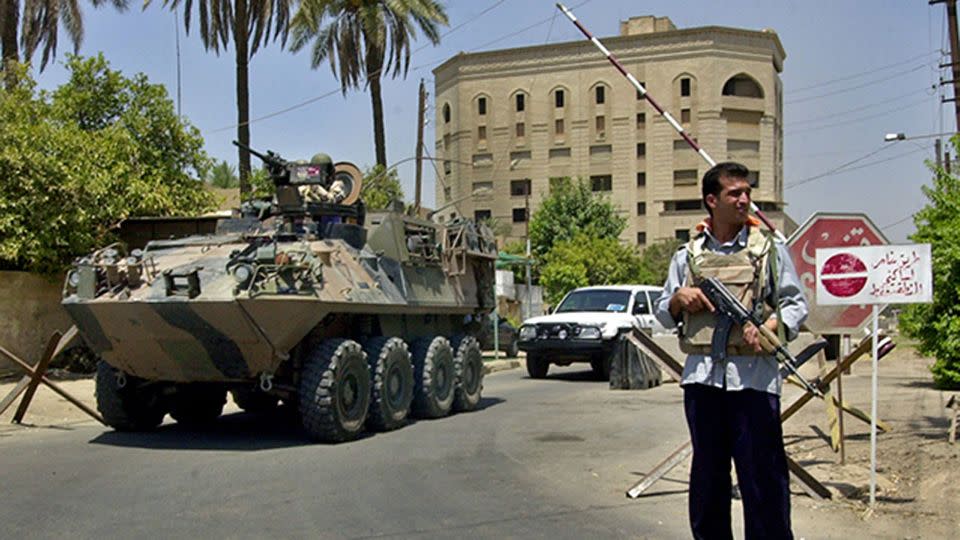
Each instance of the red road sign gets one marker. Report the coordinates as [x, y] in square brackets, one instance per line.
[843, 275]
[824, 230]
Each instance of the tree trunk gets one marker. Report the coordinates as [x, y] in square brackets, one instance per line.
[9, 21]
[240, 40]
[374, 64]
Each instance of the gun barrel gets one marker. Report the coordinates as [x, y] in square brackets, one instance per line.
[265, 158]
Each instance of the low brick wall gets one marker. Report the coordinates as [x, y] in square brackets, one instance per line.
[30, 311]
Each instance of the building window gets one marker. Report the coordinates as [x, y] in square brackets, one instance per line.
[482, 215]
[641, 238]
[641, 208]
[685, 86]
[558, 98]
[641, 179]
[520, 103]
[521, 129]
[446, 113]
[685, 177]
[482, 132]
[682, 235]
[742, 86]
[644, 85]
[446, 194]
[558, 126]
[601, 124]
[519, 215]
[754, 178]
[482, 106]
[559, 152]
[520, 188]
[683, 205]
[446, 167]
[477, 186]
[641, 120]
[601, 95]
[603, 182]
[641, 149]
[555, 182]
[685, 116]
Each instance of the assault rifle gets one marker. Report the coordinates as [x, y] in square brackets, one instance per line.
[730, 310]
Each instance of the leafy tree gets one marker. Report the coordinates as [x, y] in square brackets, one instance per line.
[223, 175]
[588, 260]
[572, 209]
[41, 21]
[655, 261]
[79, 160]
[248, 24]
[937, 325]
[380, 187]
[365, 39]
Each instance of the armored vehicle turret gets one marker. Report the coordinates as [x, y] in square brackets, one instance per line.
[356, 319]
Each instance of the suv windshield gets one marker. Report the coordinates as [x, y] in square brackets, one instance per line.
[595, 300]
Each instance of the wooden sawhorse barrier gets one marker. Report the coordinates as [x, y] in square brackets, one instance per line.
[36, 375]
[809, 484]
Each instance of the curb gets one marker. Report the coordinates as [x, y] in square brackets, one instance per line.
[491, 366]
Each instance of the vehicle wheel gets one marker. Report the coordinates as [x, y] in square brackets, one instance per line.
[254, 401]
[127, 408]
[197, 404]
[468, 367]
[537, 366]
[335, 391]
[601, 367]
[391, 382]
[434, 377]
[513, 349]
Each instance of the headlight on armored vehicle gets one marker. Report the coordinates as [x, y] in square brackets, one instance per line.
[528, 332]
[589, 332]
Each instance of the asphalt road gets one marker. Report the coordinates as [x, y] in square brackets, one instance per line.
[541, 459]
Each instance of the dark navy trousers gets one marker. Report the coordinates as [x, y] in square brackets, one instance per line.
[743, 425]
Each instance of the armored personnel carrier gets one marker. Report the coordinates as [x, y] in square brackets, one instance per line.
[355, 320]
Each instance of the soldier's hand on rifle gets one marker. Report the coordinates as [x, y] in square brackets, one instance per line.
[751, 335]
[690, 300]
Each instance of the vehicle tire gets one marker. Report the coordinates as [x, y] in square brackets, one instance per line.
[468, 368]
[197, 404]
[434, 377]
[601, 367]
[513, 349]
[391, 382]
[335, 391]
[537, 366]
[130, 408]
[254, 401]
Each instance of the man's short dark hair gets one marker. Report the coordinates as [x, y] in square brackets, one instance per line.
[711, 180]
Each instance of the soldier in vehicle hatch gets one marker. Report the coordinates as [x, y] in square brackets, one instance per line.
[732, 395]
[335, 189]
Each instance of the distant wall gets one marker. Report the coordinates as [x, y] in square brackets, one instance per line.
[30, 311]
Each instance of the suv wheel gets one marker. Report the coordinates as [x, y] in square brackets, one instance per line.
[537, 366]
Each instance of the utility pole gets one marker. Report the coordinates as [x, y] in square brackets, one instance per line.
[421, 112]
[528, 304]
[938, 151]
[954, 55]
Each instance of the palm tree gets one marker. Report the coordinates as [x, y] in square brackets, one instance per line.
[41, 22]
[248, 24]
[363, 39]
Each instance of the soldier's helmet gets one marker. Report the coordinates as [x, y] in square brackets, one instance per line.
[324, 161]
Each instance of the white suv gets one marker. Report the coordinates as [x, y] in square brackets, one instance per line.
[586, 325]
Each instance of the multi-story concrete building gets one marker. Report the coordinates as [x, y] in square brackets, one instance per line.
[509, 121]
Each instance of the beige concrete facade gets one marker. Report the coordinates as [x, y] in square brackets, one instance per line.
[579, 117]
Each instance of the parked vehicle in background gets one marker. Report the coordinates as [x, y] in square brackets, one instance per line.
[508, 338]
[586, 326]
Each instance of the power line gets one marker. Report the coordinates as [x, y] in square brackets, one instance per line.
[332, 92]
[857, 87]
[843, 168]
[895, 223]
[858, 109]
[904, 107]
[864, 73]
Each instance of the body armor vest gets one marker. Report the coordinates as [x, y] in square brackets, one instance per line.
[744, 273]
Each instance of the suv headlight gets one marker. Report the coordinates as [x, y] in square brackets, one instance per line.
[528, 332]
[589, 332]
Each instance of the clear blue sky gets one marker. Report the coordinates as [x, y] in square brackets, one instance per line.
[855, 70]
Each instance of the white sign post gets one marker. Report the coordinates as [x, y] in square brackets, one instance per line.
[874, 275]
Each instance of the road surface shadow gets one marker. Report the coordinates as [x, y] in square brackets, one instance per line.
[238, 431]
[574, 376]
